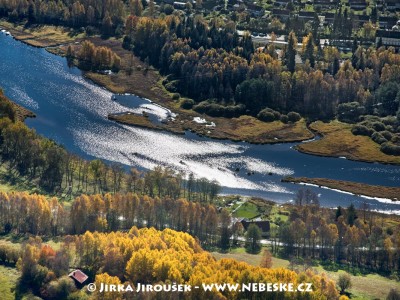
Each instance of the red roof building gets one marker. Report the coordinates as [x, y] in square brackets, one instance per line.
[79, 276]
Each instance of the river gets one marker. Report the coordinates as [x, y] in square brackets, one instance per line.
[73, 111]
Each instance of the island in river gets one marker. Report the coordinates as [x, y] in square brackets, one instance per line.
[244, 128]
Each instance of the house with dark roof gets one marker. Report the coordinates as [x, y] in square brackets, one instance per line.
[390, 38]
[78, 276]
[282, 3]
[306, 15]
[329, 17]
[360, 20]
[392, 5]
[263, 225]
[387, 22]
[358, 4]
[255, 10]
[327, 4]
[282, 14]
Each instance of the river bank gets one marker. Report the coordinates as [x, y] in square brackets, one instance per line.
[374, 191]
[337, 139]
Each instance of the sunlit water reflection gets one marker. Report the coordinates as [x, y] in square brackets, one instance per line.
[73, 111]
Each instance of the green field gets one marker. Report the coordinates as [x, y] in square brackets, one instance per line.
[369, 287]
[8, 281]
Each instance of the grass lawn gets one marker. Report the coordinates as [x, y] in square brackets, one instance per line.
[246, 210]
[8, 280]
[371, 286]
[367, 287]
[240, 254]
[338, 141]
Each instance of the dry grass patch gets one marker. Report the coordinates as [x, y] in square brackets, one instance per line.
[338, 141]
[250, 129]
[133, 119]
[42, 35]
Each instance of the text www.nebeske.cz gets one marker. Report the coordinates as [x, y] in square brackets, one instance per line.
[231, 287]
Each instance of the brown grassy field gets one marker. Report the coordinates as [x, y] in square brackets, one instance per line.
[41, 35]
[337, 140]
[245, 128]
[351, 187]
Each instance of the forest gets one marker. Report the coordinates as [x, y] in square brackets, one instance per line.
[147, 256]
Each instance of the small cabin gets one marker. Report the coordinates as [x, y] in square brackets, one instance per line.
[79, 277]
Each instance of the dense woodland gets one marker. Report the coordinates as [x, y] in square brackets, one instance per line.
[21, 213]
[355, 237]
[206, 63]
[147, 256]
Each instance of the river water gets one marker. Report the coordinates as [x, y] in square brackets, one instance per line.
[73, 111]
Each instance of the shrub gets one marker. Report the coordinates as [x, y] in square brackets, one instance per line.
[389, 120]
[378, 126]
[362, 130]
[168, 9]
[344, 282]
[284, 119]
[266, 115]
[217, 110]
[187, 103]
[172, 86]
[176, 96]
[378, 138]
[294, 116]
[396, 139]
[350, 112]
[390, 149]
[387, 135]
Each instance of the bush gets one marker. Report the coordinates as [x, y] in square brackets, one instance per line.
[350, 112]
[168, 9]
[390, 149]
[344, 282]
[266, 116]
[378, 126]
[187, 103]
[389, 120]
[176, 96]
[294, 116]
[284, 119]
[217, 110]
[387, 135]
[362, 130]
[378, 138]
[172, 86]
[396, 139]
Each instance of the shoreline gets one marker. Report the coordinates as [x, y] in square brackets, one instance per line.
[234, 129]
[380, 193]
[338, 141]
